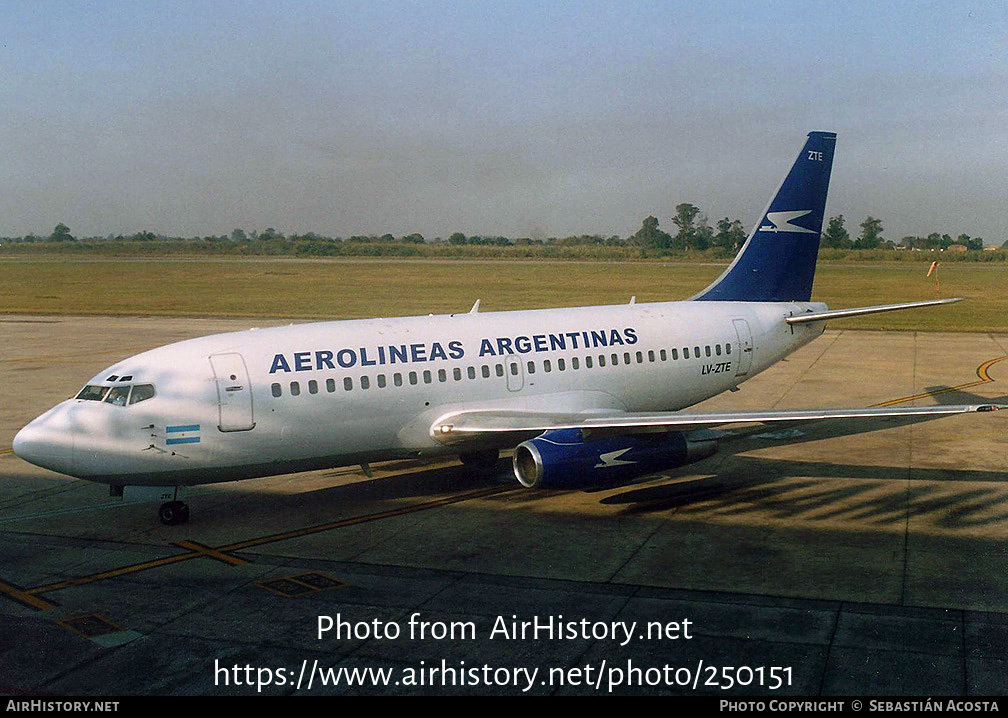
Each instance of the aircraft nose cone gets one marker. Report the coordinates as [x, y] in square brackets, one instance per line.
[44, 447]
[26, 443]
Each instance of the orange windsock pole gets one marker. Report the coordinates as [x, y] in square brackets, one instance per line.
[934, 270]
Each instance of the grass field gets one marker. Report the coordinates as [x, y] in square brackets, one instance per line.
[311, 289]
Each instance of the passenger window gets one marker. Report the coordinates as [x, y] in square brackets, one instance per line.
[457, 373]
[413, 378]
[717, 349]
[626, 357]
[640, 357]
[397, 379]
[347, 384]
[365, 382]
[486, 372]
[471, 371]
[514, 368]
[441, 375]
[588, 362]
[276, 390]
[575, 364]
[93, 393]
[601, 359]
[664, 355]
[312, 386]
[330, 385]
[727, 348]
[685, 352]
[499, 369]
[426, 376]
[142, 392]
[707, 350]
[560, 365]
[381, 381]
[547, 367]
[615, 359]
[295, 388]
[650, 356]
[531, 367]
[696, 352]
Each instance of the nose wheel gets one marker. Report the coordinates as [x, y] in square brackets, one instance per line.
[172, 513]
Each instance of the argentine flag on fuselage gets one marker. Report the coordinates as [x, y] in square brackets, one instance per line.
[182, 434]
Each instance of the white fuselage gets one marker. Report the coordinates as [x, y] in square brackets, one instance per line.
[308, 396]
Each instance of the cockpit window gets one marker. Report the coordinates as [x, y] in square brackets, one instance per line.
[141, 392]
[93, 393]
[118, 395]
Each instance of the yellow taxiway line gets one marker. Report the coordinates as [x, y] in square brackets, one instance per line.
[981, 372]
[223, 553]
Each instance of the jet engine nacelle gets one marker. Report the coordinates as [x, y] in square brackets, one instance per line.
[562, 459]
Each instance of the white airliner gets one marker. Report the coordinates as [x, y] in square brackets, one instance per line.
[589, 395]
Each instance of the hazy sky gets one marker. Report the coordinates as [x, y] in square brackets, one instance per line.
[521, 119]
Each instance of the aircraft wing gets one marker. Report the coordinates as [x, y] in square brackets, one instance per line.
[465, 426]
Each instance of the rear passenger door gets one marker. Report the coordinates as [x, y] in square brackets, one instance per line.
[234, 392]
[745, 345]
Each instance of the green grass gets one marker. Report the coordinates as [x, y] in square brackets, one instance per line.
[366, 288]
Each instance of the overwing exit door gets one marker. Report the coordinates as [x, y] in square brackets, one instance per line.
[515, 373]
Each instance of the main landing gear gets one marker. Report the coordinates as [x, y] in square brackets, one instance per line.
[172, 513]
[480, 462]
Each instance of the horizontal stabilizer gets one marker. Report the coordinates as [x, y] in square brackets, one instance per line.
[483, 424]
[858, 311]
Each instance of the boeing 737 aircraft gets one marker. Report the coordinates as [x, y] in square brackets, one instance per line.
[588, 395]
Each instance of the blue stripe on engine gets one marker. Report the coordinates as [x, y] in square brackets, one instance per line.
[187, 427]
[190, 440]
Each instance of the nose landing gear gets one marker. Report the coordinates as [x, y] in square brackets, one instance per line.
[173, 513]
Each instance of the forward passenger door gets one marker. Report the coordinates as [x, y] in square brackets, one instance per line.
[234, 392]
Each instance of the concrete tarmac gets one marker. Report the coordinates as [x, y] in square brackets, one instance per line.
[865, 558]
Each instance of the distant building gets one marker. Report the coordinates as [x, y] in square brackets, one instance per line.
[957, 248]
[991, 248]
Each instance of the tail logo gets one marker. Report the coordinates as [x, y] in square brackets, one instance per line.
[781, 222]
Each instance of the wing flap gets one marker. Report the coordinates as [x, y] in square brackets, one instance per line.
[469, 425]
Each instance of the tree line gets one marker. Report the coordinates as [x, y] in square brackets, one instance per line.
[836, 236]
[693, 232]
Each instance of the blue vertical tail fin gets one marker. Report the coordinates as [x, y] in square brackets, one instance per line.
[777, 261]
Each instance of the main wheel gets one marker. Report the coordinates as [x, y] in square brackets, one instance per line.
[480, 461]
[172, 513]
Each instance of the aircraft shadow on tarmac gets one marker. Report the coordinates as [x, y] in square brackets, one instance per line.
[743, 484]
